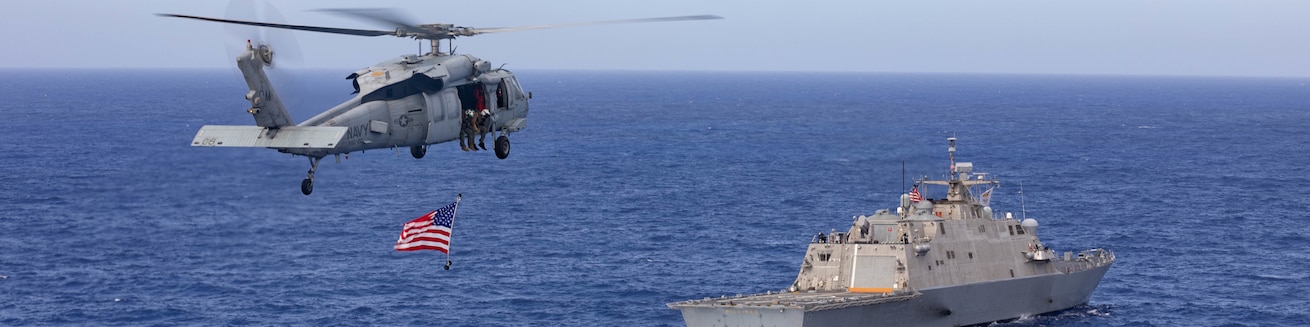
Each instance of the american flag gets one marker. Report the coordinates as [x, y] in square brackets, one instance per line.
[429, 232]
[914, 194]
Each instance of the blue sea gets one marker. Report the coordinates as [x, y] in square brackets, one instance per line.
[629, 190]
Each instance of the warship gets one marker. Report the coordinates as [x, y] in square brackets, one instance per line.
[948, 261]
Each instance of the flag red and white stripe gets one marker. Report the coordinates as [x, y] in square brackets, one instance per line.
[429, 232]
[914, 194]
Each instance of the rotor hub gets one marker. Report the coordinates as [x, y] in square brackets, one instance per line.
[265, 54]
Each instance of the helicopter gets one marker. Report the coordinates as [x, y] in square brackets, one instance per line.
[412, 101]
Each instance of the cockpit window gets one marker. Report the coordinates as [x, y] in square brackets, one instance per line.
[514, 90]
[500, 95]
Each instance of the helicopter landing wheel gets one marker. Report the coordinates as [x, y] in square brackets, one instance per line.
[502, 147]
[418, 151]
[307, 185]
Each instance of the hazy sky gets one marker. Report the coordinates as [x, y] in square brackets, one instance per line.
[1138, 37]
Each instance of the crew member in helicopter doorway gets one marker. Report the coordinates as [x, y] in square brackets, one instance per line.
[485, 126]
[468, 128]
[483, 117]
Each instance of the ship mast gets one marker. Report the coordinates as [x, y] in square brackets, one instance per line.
[954, 190]
[958, 184]
[952, 151]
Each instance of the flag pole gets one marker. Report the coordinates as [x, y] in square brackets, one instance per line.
[450, 248]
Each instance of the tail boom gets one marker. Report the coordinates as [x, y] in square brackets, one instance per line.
[265, 105]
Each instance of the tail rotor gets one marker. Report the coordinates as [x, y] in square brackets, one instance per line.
[278, 49]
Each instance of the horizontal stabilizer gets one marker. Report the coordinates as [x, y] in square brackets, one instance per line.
[312, 137]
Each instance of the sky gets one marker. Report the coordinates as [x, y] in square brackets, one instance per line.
[1112, 37]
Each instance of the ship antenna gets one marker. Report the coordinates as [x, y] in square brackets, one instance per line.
[1023, 209]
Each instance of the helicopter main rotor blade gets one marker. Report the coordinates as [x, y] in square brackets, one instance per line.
[385, 16]
[333, 30]
[476, 31]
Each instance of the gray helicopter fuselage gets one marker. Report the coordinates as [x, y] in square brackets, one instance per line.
[417, 101]
[412, 101]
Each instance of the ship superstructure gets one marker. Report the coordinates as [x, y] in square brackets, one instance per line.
[931, 262]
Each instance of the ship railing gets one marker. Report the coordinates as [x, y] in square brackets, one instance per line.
[1097, 256]
[858, 301]
[1086, 260]
[809, 301]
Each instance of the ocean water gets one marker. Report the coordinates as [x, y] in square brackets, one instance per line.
[630, 190]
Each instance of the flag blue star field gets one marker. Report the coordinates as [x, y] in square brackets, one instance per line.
[429, 232]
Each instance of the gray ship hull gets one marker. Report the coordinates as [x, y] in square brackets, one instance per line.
[959, 305]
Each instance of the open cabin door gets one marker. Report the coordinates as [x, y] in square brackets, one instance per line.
[443, 116]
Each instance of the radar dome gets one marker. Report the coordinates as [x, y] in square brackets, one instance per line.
[1029, 225]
